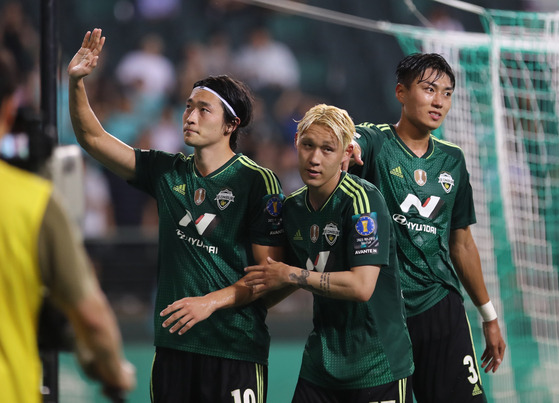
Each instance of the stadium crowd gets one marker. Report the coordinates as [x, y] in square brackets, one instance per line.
[141, 94]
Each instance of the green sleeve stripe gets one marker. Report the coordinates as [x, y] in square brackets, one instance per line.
[357, 193]
[383, 126]
[447, 143]
[366, 124]
[272, 186]
[357, 205]
[296, 192]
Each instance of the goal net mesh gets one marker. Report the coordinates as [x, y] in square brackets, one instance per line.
[505, 119]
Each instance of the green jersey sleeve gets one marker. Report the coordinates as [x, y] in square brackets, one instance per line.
[265, 210]
[369, 232]
[463, 213]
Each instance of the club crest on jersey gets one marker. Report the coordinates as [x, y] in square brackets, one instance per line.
[273, 206]
[331, 233]
[365, 225]
[199, 196]
[314, 233]
[224, 198]
[420, 177]
[445, 179]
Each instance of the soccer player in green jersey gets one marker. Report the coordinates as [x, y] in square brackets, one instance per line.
[426, 186]
[218, 213]
[344, 252]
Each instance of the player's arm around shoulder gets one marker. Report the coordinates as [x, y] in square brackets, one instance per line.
[108, 150]
[366, 138]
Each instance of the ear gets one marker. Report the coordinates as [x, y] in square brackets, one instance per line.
[348, 152]
[296, 138]
[400, 92]
[231, 126]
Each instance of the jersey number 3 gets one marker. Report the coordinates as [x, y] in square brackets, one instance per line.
[469, 361]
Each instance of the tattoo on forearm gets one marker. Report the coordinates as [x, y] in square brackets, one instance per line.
[325, 283]
[301, 281]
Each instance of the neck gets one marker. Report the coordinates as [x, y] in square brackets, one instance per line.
[209, 159]
[416, 139]
[319, 195]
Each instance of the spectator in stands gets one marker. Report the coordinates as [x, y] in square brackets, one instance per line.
[158, 10]
[219, 58]
[265, 63]
[443, 20]
[147, 68]
[270, 69]
[39, 249]
[18, 35]
[190, 68]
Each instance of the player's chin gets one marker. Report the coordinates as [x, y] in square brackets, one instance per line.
[435, 124]
[311, 182]
[188, 141]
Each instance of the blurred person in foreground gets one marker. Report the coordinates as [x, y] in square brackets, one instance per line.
[40, 252]
[427, 188]
[344, 252]
[218, 213]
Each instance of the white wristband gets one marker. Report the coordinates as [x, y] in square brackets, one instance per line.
[487, 311]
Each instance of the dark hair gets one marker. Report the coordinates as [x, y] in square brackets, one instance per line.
[238, 95]
[415, 65]
[8, 75]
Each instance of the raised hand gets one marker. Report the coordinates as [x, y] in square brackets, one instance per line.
[85, 60]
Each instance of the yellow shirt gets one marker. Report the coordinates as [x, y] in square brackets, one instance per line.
[23, 200]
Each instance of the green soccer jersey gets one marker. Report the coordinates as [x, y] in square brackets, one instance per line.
[206, 228]
[428, 197]
[353, 345]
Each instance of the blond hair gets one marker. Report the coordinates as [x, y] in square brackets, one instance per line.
[336, 119]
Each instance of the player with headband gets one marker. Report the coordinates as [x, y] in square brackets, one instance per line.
[218, 212]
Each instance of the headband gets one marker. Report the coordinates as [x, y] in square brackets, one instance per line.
[229, 107]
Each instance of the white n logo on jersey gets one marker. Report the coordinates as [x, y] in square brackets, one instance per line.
[320, 264]
[201, 223]
[429, 209]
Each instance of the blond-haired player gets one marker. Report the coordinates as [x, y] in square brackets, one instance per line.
[344, 252]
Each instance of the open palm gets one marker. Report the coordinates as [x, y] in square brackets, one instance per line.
[85, 60]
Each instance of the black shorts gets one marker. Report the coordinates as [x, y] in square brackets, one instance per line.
[446, 368]
[395, 392]
[183, 377]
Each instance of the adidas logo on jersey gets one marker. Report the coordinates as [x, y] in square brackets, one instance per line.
[477, 390]
[180, 188]
[298, 236]
[397, 172]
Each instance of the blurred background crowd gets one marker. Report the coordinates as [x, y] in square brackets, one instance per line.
[157, 49]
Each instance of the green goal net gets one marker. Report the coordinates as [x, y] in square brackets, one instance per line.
[505, 118]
